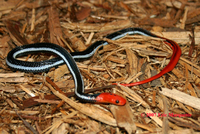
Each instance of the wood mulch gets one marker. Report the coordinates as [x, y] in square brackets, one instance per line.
[31, 103]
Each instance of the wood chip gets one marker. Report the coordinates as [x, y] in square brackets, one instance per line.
[181, 97]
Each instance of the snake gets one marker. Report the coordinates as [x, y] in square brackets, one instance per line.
[64, 57]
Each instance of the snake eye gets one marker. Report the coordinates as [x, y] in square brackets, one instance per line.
[117, 101]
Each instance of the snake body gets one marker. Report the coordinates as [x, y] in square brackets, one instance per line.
[69, 59]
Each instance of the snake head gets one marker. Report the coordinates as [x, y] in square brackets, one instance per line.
[110, 98]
